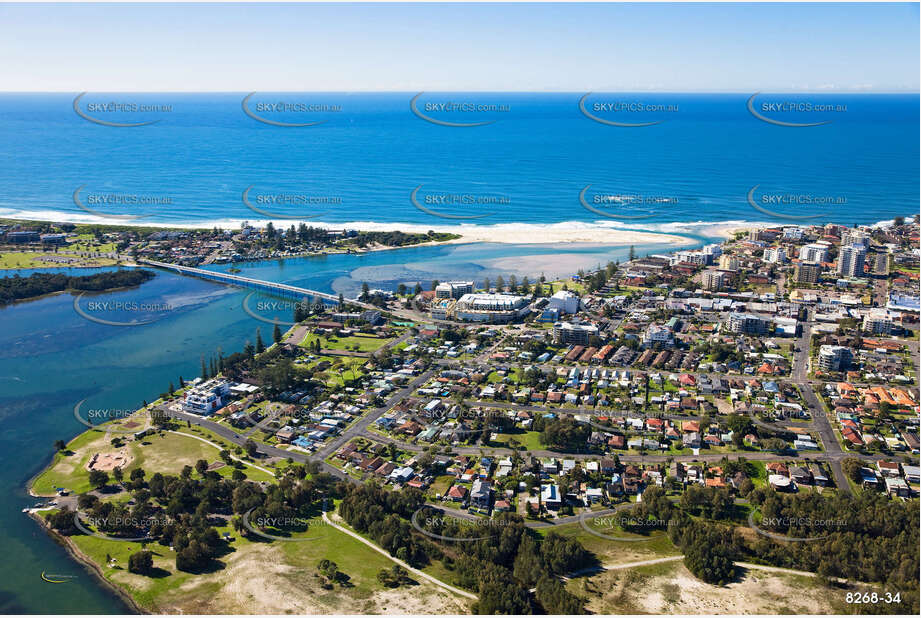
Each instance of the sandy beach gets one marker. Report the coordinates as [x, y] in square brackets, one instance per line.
[555, 234]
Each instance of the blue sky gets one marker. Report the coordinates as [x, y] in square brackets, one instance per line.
[453, 47]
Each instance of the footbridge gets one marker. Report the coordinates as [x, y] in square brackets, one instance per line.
[279, 289]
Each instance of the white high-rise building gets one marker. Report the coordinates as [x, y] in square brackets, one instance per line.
[855, 237]
[850, 261]
[814, 253]
[776, 255]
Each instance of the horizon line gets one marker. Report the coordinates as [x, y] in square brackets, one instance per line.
[471, 91]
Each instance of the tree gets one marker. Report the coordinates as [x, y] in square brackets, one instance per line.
[60, 445]
[117, 474]
[632, 255]
[251, 448]
[98, 478]
[140, 562]
[276, 334]
[711, 563]
[260, 346]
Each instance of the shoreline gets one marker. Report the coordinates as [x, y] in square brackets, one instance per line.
[611, 232]
[95, 570]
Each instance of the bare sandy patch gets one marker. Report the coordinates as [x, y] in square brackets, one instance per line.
[674, 590]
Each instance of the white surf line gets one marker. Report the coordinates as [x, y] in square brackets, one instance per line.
[415, 571]
[221, 448]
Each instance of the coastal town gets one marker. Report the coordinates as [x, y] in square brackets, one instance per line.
[782, 361]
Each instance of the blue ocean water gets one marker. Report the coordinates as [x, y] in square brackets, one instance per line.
[370, 152]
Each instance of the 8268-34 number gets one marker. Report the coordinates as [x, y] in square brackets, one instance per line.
[872, 597]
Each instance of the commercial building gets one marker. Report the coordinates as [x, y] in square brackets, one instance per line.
[22, 237]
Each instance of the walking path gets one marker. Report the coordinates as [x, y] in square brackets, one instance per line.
[221, 448]
[412, 570]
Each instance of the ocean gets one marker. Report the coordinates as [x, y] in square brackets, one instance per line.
[363, 156]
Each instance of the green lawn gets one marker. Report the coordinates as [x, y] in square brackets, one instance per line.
[31, 259]
[530, 440]
[161, 452]
[341, 368]
[609, 550]
[363, 344]
[359, 562]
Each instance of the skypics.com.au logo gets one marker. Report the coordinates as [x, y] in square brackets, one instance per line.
[105, 311]
[124, 113]
[125, 528]
[306, 206]
[792, 110]
[459, 114]
[435, 524]
[784, 204]
[288, 111]
[608, 526]
[618, 205]
[284, 528]
[457, 205]
[129, 421]
[131, 204]
[631, 112]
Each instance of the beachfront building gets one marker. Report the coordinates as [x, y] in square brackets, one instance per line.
[205, 398]
[491, 308]
[453, 289]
